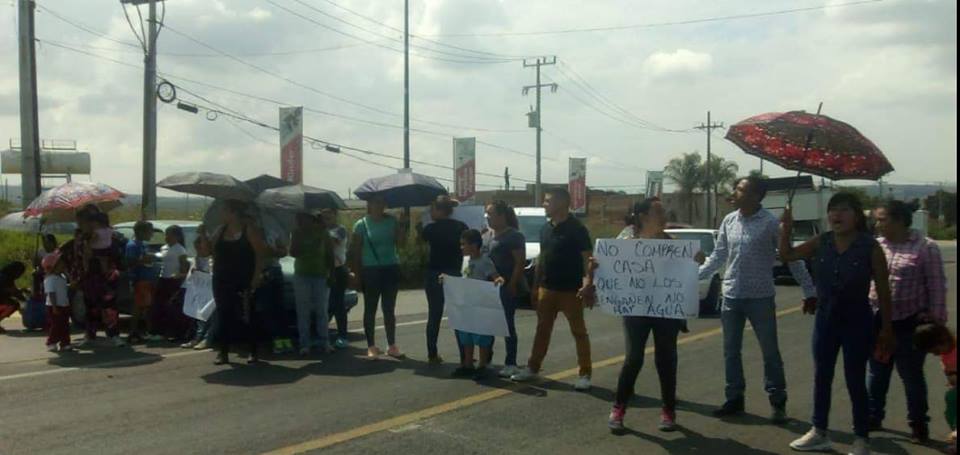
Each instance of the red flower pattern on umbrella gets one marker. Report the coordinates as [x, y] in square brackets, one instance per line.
[811, 143]
[60, 203]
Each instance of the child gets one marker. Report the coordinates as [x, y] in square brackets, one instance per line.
[10, 295]
[937, 339]
[167, 319]
[201, 264]
[100, 242]
[140, 264]
[479, 267]
[58, 303]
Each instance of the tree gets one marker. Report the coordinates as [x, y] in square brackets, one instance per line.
[758, 174]
[685, 172]
[723, 174]
[946, 200]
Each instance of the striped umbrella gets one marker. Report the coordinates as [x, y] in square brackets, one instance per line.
[61, 203]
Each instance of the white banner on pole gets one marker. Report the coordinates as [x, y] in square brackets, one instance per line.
[577, 185]
[465, 167]
[474, 306]
[654, 184]
[644, 277]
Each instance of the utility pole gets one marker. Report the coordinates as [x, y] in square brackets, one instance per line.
[709, 127]
[536, 119]
[506, 178]
[148, 202]
[406, 84]
[29, 119]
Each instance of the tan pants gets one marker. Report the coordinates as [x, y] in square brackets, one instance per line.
[551, 303]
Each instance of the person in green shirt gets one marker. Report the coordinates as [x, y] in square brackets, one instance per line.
[373, 252]
[312, 248]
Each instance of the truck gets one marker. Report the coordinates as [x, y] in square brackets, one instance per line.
[809, 211]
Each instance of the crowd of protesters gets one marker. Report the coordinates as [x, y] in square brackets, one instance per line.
[881, 301]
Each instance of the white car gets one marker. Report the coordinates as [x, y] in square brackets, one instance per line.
[531, 221]
[709, 287]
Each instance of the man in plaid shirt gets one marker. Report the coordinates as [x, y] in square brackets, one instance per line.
[918, 288]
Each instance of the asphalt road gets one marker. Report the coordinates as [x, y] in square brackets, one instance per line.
[166, 400]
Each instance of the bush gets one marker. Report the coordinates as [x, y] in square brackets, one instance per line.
[943, 233]
[18, 246]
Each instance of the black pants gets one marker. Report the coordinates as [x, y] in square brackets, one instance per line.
[636, 331]
[233, 328]
[338, 304]
[380, 285]
[435, 305]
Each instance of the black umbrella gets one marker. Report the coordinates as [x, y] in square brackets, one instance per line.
[218, 186]
[278, 221]
[403, 189]
[300, 198]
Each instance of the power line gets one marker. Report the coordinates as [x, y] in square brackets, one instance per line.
[612, 28]
[206, 55]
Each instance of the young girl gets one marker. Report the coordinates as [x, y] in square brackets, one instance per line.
[166, 315]
[479, 267]
[201, 264]
[58, 303]
[846, 259]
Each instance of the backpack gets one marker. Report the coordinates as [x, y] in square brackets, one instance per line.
[34, 314]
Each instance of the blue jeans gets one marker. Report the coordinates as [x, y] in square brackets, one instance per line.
[763, 318]
[510, 309]
[435, 305]
[207, 330]
[909, 363]
[853, 333]
[312, 294]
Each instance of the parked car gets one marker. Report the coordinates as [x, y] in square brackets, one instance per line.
[124, 292]
[531, 220]
[710, 288]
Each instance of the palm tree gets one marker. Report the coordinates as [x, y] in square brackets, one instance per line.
[685, 172]
[723, 175]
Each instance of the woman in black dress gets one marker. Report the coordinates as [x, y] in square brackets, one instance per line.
[237, 262]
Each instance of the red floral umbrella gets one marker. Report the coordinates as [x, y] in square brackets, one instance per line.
[61, 203]
[811, 143]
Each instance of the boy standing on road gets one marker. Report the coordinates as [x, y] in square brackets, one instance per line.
[747, 246]
[142, 277]
[561, 285]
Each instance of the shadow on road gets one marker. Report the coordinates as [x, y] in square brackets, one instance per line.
[104, 357]
[261, 374]
[693, 442]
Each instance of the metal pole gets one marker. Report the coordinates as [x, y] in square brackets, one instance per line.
[538, 189]
[148, 205]
[709, 185]
[29, 119]
[406, 83]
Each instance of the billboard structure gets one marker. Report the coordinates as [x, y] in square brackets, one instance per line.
[291, 144]
[578, 185]
[465, 168]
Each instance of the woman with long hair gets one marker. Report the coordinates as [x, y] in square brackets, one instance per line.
[507, 248]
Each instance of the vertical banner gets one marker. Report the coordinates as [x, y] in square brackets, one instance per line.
[578, 185]
[464, 167]
[291, 144]
[654, 184]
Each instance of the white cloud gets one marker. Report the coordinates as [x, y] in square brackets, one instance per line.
[678, 62]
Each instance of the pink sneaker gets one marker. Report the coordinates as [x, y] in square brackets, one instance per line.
[668, 420]
[394, 351]
[615, 422]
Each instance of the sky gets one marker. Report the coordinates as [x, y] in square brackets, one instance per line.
[887, 67]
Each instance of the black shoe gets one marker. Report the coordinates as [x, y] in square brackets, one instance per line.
[919, 433]
[778, 415]
[481, 374]
[875, 424]
[730, 409]
[463, 372]
[222, 359]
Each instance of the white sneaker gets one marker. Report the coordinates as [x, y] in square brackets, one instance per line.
[813, 441]
[203, 344]
[508, 371]
[52, 347]
[582, 384]
[118, 342]
[861, 446]
[524, 375]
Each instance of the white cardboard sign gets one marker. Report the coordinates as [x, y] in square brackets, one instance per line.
[474, 306]
[646, 277]
[198, 296]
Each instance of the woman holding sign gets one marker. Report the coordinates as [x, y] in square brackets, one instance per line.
[506, 247]
[649, 221]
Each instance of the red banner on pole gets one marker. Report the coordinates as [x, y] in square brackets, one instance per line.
[291, 144]
[578, 185]
[465, 167]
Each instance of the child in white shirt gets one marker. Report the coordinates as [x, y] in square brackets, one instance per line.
[58, 303]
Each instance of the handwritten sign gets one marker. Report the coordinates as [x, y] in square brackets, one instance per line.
[645, 277]
[198, 296]
[474, 306]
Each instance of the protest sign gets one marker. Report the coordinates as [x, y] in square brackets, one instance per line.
[474, 306]
[646, 277]
[198, 296]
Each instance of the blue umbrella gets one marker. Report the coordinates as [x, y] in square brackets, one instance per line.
[403, 189]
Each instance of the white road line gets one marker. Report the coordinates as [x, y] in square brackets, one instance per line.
[117, 363]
